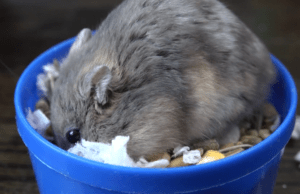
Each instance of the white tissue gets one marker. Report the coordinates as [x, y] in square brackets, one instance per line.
[111, 154]
[114, 153]
[162, 163]
[178, 151]
[192, 157]
[38, 121]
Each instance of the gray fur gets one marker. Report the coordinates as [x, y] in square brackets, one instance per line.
[178, 71]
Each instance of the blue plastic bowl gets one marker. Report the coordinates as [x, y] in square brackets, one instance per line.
[57, 171]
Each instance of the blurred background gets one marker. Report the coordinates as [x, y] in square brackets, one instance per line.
[28, 28]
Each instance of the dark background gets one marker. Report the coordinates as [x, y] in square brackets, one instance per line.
[29, 27]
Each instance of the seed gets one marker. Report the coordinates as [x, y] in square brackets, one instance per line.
[211, 144]
[264, 133]
[49, 132]
[43, 105]
[252, 132]
[158, 157]
[177, 162]
[227, 145]
[230, 153]
[269, 111]
[249, 139]
[244, 146]
[239, 143]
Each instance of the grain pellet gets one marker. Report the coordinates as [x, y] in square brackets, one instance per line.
[249, 139]
[230, 153]
[159, 156]
[211, 144]
[177, 162]
[264, 133]
[252, 132]
[227, 145]
[239, 143]
[269, 111]
[44, 107]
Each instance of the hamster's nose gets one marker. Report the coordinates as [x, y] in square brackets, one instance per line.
[62, 142]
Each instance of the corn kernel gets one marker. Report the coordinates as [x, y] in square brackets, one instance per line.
[211, 155]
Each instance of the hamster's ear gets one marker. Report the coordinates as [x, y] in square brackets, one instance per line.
[98, 79]
[83, 36]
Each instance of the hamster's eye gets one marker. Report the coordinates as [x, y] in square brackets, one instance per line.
[73, 135]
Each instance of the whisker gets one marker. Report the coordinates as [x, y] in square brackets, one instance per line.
[16, 77]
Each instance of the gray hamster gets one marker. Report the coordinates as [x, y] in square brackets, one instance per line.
[167, 73]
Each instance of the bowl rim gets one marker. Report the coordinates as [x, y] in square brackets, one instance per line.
[162, 175]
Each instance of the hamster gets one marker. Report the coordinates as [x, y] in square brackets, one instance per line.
[166, 73]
